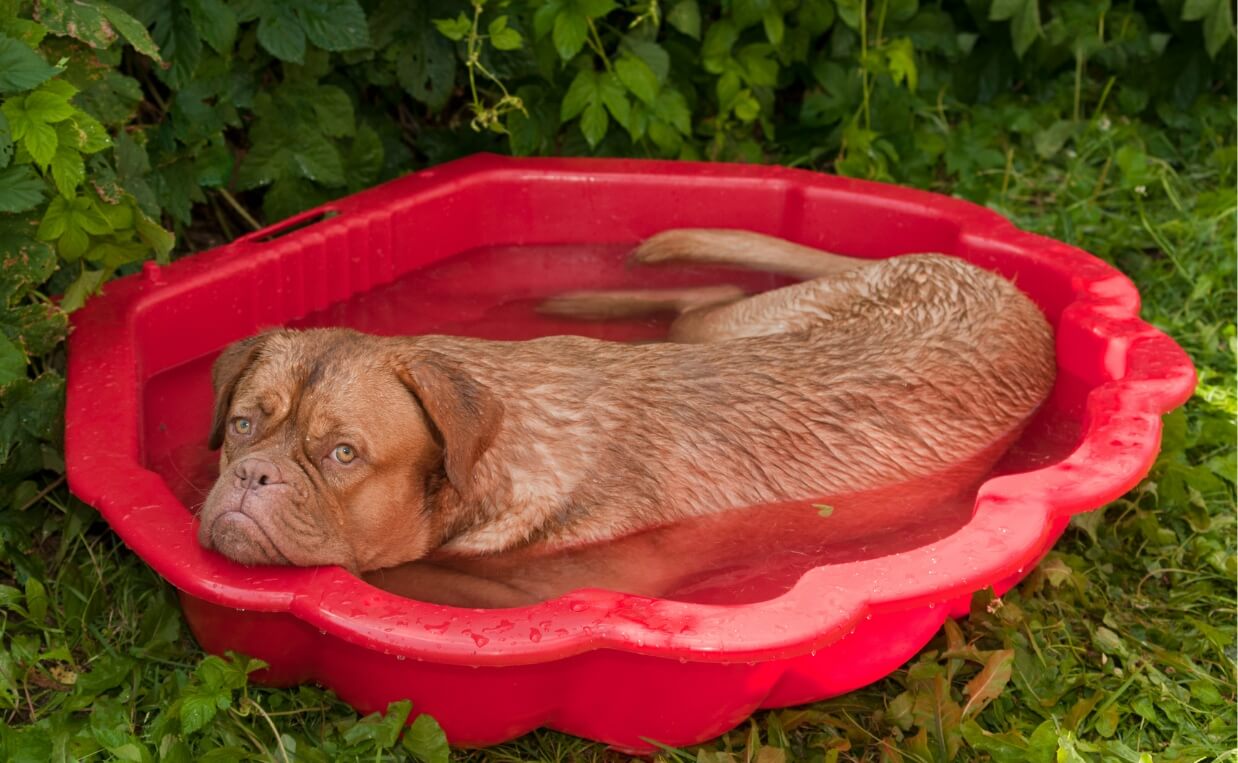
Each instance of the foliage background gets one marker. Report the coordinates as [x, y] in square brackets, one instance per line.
[148, 129]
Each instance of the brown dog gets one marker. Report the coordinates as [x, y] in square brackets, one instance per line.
[369, 452]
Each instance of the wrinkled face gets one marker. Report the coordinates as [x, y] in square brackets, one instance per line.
[328, 454]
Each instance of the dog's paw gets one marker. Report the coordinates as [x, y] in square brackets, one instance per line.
[597, 305]
[667, 246]
[608, 305]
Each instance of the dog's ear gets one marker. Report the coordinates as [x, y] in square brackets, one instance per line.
[465, 414]
[227, 372]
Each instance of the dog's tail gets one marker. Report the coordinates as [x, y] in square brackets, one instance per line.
[741, 249]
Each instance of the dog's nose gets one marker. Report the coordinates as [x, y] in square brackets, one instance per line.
[254, 472]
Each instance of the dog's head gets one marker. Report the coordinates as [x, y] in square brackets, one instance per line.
[337, 447]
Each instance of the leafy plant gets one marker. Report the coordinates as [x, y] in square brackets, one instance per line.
[145, 129]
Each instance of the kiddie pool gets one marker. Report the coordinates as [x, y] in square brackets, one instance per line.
[616, 668]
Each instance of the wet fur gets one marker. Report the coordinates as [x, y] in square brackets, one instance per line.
[870, 374]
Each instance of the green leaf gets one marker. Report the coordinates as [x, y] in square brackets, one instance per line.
[1008, 747]
[69, 221]
[1001, 10]
[1133, 163]
[282, 36]
[672, 108]
[849, 12]
[1048, 142]
[334, 110]
[426, 69]
[745, 13]
[31, 744]
[638, 78]
[1218, 27]
[213, 165]
[81, 21]
[816, 16]
[106, 672]
[155, 236]
[176, 34]
[20, 67]
[746, 107]
[774, 26]
[317, 159]
[1194, 10]
[197, 710]
[759, 65]
[55, 220]
[382, 729]
[902, 60]
[67, 170]
[595, 8]
[12, 367]
[582, 92]
[611, 91]
[41, 141]
[570, 30]
[132, 30]
[109, 724]
[365, 157]
[593, 122]
[454, 29]
[335, 24]
[686, 17]
[72, 244]
[1026, 27]
[216, 22]
[47, 105]
[651, 53]
[31, 415]
[716, 49]
[84, 133]
[20, 189]
[903, 10]
[503, 37]
[426, 741]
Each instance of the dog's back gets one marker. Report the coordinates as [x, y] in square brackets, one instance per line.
[875, 373]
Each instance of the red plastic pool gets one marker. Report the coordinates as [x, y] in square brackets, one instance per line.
[469, 247]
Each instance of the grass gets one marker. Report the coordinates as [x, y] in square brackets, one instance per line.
[1120, 646]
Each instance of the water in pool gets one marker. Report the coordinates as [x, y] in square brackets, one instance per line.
[735, 557]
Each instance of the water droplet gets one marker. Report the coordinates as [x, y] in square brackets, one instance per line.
[400, 657]
[932, 604]
[535, 635]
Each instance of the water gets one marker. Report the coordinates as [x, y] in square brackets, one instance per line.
[735, 557]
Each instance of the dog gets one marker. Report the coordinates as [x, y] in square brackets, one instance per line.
[372, 452]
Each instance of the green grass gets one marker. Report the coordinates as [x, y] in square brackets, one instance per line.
[1120, 646]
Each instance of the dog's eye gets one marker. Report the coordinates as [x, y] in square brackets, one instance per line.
[345, 454]
[242, 425]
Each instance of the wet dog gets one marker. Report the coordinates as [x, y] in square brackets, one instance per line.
[369, 452]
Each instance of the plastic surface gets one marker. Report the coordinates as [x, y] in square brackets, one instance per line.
[616, 668]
